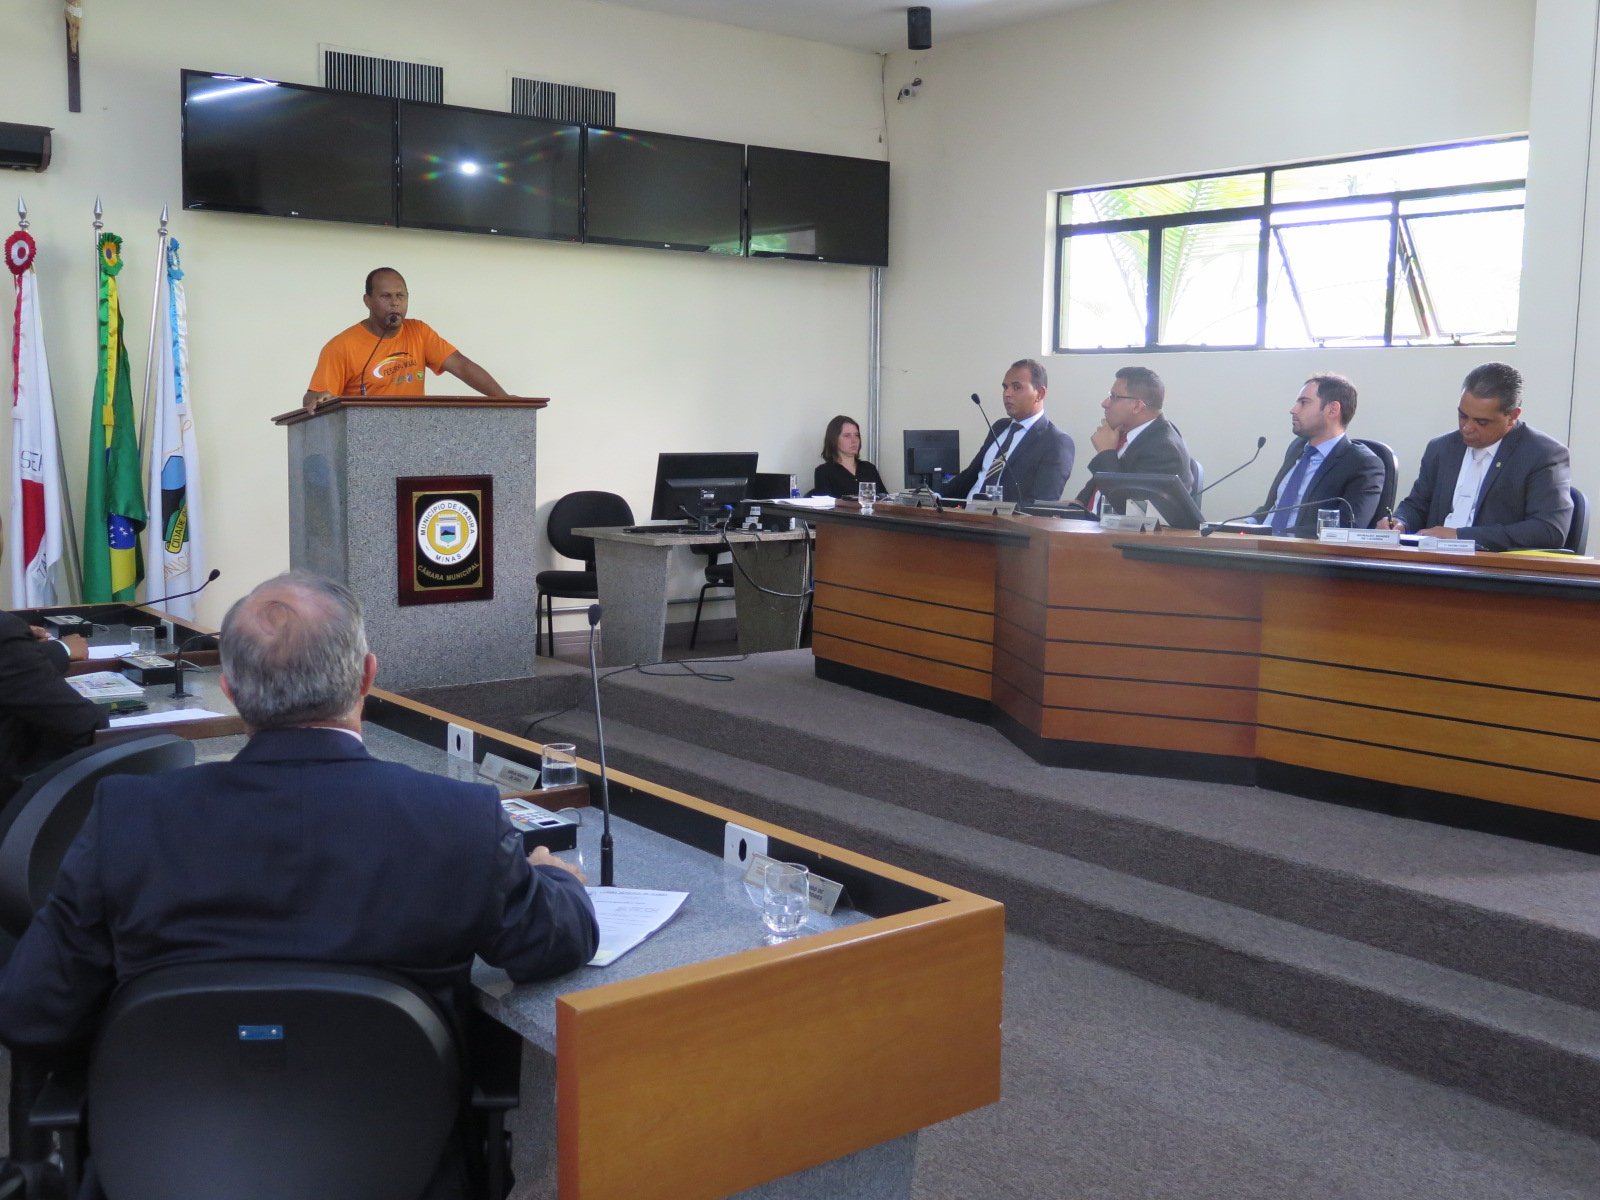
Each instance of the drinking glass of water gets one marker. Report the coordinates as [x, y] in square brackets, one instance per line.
[785, 895]
[867, 493]
[1327, 518]
[558, 765]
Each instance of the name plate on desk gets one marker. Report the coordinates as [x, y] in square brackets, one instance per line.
[824, 893]
[1448, 545]
[1000, 508]
[1373, 537]
[444, 534]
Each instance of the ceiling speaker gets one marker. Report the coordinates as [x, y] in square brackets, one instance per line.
[919, 29]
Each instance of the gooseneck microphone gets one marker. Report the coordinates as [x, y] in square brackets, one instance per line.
[1260, 443]
[606, 863]
[368, 363]
[1211, 527]
[177, 661]
[1007, 466]
[215, 573]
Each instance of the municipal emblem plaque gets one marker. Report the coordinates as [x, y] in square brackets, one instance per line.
[445, 535]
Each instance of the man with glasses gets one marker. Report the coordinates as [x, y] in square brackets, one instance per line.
[1134, 438]
[1323, 466]
[1024, 454]
[1496, 481]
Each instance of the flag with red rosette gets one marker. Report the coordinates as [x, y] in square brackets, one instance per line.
[35, 528]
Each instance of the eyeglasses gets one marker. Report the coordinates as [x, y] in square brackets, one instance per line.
[1114, 396]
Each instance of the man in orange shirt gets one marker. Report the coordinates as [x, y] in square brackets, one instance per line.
[386, 354]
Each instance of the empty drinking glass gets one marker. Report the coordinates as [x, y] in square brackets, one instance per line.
[784, 898]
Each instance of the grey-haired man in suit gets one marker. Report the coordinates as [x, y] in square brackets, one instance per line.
[1496, 481]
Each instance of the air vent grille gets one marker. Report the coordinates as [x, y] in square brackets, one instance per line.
[562, 102]
[347, 72]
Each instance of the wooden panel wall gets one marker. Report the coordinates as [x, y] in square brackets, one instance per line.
[908, 605]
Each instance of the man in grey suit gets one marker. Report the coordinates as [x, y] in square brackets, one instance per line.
[1134, 438]
[1497, 481]
[1323, 467]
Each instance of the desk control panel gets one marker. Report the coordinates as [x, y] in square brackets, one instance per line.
[539, 826]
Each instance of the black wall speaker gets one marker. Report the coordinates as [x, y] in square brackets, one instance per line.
[24, 147]
[919, 29]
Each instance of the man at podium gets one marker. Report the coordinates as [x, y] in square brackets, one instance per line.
[386, 354]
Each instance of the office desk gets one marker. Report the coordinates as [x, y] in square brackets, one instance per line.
[1393, 676]
[705, 1062]
[633, 568]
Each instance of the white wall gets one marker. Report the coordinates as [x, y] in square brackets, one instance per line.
[639, 351]
[1141, 89]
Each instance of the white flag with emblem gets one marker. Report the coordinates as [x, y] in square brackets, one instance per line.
[34, 539]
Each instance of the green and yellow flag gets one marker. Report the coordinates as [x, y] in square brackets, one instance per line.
[115, 514]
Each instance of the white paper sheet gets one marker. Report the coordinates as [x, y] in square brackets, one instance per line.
[173, 716]
[99, 653]
[627, 916]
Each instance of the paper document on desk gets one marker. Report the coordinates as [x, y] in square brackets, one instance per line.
[104, 685]
[101, 653]
[807, 501]
[627, 916]
[172, 716]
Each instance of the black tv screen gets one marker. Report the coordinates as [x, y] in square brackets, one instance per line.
[286, 150]
[665, 191]
[680, 478]
[818, 206]
[488, 172]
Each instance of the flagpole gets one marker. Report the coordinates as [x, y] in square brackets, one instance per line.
[150, 350]
[74, 580]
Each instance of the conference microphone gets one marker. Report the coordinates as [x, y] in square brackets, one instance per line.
[177, 661]
[1260, 443]
[1007, 466]
[215, 573]
[368, 363]
[1210, 527]
[606, 863]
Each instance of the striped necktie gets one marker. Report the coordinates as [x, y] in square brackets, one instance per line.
[998, 466]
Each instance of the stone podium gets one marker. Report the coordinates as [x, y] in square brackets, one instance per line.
[344, 461]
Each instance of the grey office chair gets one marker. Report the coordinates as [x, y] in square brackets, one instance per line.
[1391, 475]
[260, 1080]
[1578, 532]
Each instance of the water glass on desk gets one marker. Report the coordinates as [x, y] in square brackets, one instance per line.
[1327, 518]
[867, 493]
[785, 896]
[143, 638]
[558, 765]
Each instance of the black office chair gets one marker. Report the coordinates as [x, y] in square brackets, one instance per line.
[1199, 484]
[1391, 476]
[1578, 532]
[719, 574]
[576, 510]
[260, 1080]
[37, 825]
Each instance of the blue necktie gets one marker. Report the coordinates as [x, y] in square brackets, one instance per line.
[1290, 492]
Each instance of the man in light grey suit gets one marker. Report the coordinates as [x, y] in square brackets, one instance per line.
[1497, 481]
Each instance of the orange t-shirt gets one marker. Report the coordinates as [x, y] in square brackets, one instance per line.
[396, 363]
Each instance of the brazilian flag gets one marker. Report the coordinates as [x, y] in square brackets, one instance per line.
[113, 563]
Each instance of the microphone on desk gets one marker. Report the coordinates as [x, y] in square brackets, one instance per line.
[1260, 444]
[1210, 527]
[606, 863]
[177, 661]
[1007, 465]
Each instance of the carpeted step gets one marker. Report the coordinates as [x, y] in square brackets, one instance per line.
[1513, 1047]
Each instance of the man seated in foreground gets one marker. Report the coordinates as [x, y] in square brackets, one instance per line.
[1495, 481]
[1323, 466]
[1134, 437]
[304, 846]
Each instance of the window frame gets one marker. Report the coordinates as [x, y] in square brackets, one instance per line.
[1156, 227]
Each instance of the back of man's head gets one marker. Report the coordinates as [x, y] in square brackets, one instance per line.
[293, 652]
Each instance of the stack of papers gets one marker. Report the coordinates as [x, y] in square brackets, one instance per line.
[104, 685]
[627, 916]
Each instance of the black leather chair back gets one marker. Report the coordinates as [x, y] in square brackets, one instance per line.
[1199, 479]
[1391, 475]
[1578, 532]
[578, 510]
[259, 1081]
[45, 814]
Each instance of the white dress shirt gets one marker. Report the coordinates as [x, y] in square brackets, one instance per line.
[1469, 482]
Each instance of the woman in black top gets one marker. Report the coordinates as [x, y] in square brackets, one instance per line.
[842, 467]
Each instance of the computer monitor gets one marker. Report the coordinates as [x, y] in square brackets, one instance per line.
[1171, 499]
[769, 485]
[700, 486]
[931, 456]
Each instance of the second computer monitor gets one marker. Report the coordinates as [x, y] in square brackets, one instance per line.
[684, 480]
[932, 455]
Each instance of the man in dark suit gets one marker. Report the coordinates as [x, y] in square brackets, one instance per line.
[41, 718]
[1496, 481]
[302, 847]
[1024, 454]
[1322, 465]
[1134, 438]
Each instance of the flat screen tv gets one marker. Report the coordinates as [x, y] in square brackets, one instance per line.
[286, 150]
[489, 172]
[663, 191]
[818, 206]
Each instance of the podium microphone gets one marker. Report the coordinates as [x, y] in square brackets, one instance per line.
[177, 661]
[1260, 442]
[1210, 527]
[606, 863]
[215, 573]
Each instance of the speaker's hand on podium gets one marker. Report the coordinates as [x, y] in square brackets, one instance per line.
[313, 399]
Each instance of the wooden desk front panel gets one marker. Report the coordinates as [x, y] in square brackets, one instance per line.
[1472, 693]
[908, 605]
[1093, 647]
